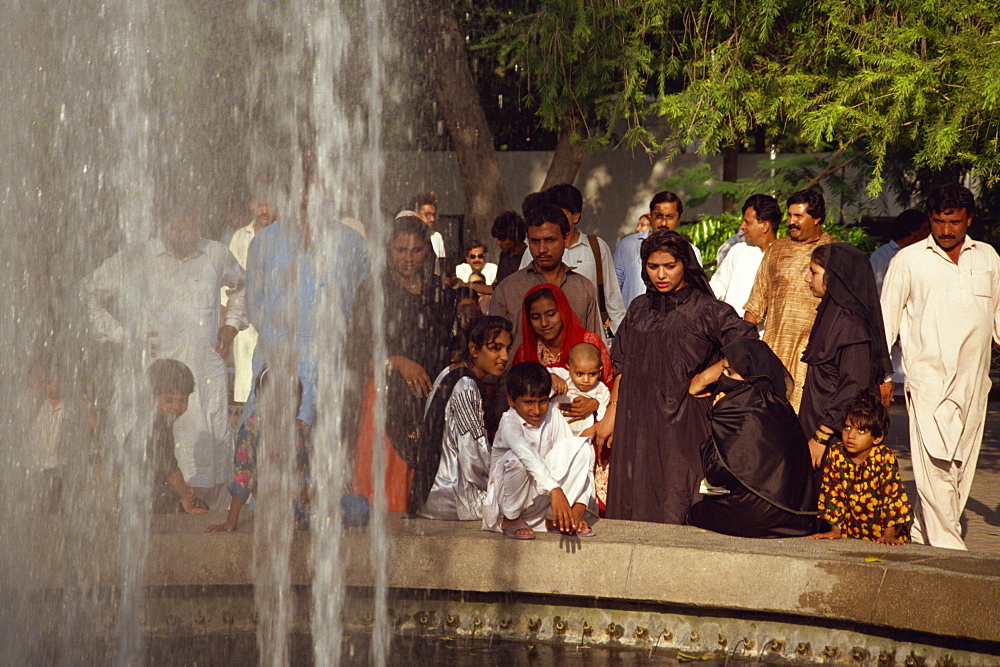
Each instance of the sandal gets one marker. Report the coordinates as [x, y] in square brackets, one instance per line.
[589, 532]
[510, 530]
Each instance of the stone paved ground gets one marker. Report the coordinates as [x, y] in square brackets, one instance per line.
[982, 513]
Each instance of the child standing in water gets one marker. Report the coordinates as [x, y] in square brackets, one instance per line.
[862, 495]
[540, 473]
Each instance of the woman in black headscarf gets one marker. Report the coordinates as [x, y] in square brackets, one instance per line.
[756, 456]
[671, 333]
[419, 318]
[847, 351]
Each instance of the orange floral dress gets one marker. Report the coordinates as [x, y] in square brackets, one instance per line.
[864, 499]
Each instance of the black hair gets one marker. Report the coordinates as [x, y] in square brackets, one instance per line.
[666, 197]
[532, 201]
[865, 411]
[409, 224]
[543, 213]
[820, 255]
[565, 196]
[528, 378]
[464, 292]
[476, 274]
[667, 240]
[767, 209]
[814, 201]
[509, 226]
[484, 331]
[169, 376]
[424, 199]
[951, 197]
[906, 223]
[475, 243]
[545, 293]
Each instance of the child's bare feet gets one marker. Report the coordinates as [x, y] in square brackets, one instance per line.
[194, 505]
[221, 528]
[890, 537]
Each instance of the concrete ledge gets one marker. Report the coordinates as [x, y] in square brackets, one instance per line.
[914, 588]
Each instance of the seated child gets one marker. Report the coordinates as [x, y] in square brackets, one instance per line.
[540, 473]
[244, 482]
[582, 379]
[172, 384]
[861, 494]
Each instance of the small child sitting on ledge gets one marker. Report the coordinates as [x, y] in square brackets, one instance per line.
[862, 495]
[540, 473]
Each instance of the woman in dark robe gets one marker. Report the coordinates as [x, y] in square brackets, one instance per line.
[847, 351]
[756, 451]
[419, 318]
[670, 334]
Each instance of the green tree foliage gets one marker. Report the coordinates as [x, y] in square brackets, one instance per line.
[879, 77]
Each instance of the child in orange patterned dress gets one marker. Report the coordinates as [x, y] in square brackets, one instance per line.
[862, 495]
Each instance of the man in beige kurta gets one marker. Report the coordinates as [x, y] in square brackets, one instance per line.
[941, 297]
[780, 298]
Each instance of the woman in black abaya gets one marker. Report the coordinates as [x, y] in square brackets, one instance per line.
[847, 351]
[756, 451]
[671, 333]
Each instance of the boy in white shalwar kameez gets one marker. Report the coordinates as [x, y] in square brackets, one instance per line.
[540, 473]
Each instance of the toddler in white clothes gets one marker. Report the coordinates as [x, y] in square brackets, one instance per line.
[583, 378]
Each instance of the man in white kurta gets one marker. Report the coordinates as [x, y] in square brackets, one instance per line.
[246, 340]
[941, 298]
[166, 291]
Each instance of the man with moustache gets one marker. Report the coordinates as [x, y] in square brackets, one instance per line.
[548, 229]
[941, 297]
[780, 300]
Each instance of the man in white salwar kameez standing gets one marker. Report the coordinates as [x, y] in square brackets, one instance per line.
[941, 298]
[175, 281]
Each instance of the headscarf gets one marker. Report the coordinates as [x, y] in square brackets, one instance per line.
[850, 283]
[573, 332]
[753, 358]
[667, 240]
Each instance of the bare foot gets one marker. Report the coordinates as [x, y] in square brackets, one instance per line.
[221, 528]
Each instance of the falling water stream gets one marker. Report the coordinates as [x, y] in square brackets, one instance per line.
[110, 108]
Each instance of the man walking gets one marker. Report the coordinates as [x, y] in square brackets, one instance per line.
[941, 297]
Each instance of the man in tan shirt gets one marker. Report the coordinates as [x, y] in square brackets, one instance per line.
[780, 298]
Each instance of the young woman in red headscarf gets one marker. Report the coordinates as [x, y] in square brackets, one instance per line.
[550, 330]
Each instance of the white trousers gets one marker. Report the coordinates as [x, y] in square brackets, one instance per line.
[943, 486]
[515, 493]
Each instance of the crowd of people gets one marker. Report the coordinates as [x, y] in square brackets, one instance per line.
[565, 382]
